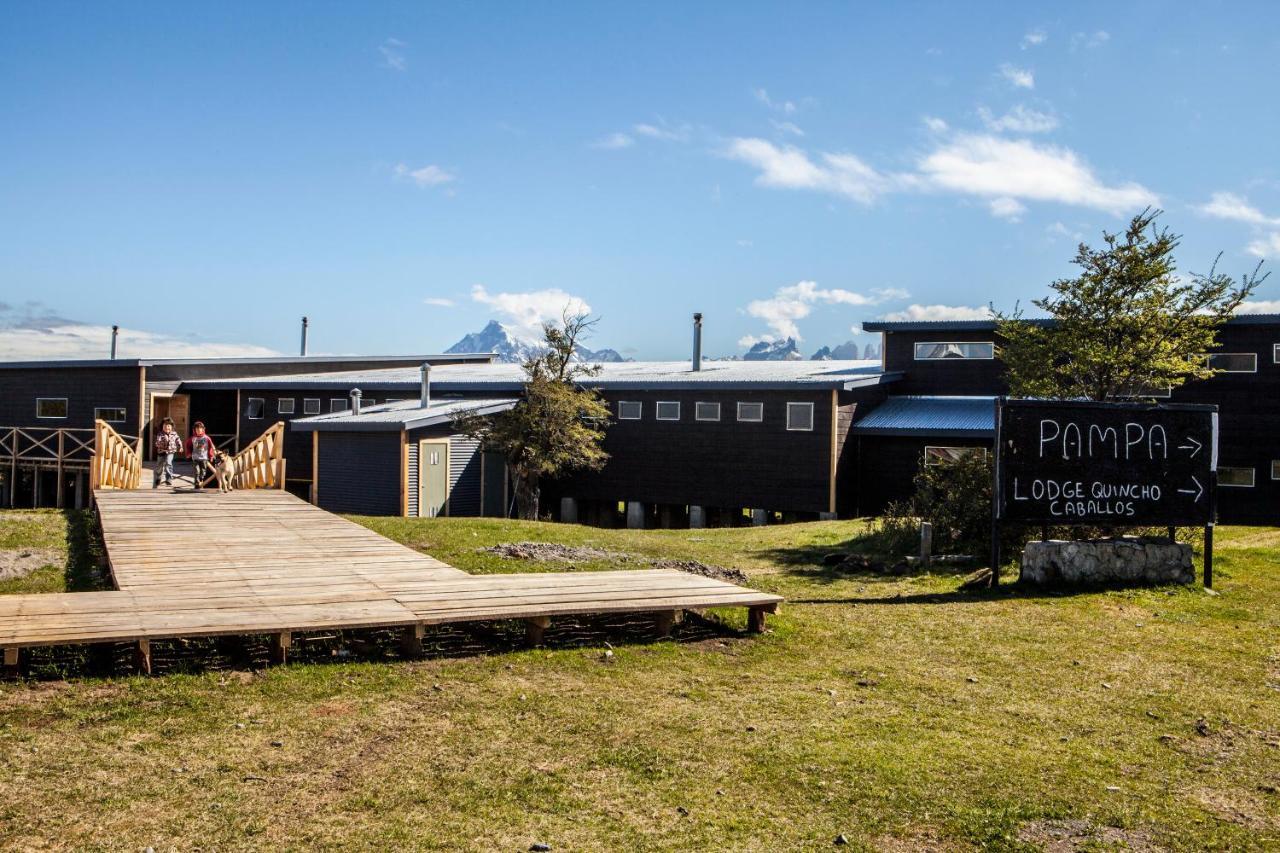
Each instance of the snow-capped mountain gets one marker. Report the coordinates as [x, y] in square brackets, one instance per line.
[845, 352]
[497, 338]
[783, 350]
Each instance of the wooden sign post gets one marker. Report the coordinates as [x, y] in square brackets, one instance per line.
[1105, 464]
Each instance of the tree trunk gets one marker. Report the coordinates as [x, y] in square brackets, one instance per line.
[527, 494]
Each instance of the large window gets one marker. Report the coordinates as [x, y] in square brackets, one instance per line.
[1235, 477]
[110, 414]
[706, 411]
[1234, 362]
[254, 408]
[338, 404]
[630, 410]
[310, 406]
[800, 417]
[751, 412]
[947, 350]
[947, 455]
[668, 410]
[284, 406]
[51, 407]
[1275, 469]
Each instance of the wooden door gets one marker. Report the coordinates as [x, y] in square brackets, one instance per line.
[433, 478]
[180, 412]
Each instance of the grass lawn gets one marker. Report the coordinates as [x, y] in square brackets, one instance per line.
[895, 711]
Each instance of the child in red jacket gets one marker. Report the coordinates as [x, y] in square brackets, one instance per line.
[201, 451]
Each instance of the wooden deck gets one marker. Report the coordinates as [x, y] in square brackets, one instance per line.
[193, 564]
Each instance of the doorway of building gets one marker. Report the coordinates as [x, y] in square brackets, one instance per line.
[177, 407]
[433, 478]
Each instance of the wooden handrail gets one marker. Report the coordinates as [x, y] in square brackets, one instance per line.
[261, 464]
[116, 464]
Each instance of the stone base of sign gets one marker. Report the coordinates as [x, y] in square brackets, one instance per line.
[1107, 562]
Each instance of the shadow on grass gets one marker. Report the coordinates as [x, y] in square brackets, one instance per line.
[86, 569]
[1007, 591]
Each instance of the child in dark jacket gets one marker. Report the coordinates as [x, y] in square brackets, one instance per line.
[200, 450]
[168, 443]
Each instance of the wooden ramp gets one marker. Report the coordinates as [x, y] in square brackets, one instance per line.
[193, 564]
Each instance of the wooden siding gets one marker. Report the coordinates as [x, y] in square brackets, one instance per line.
[360, 472]
[85, 389]
[464, 476]
[411, 478]
[948, 376]
[712, 463]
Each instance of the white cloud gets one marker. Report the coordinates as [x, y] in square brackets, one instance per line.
[1007, 208]
[934, 124]
[524, 313]
[786, 127]
[787, 167]
[1267, 246]
[1034, 38]
[1020, 119]
[663, 131]
[66, 339]
[613, 142]
[1021, 78]
[1237, 208]
[1260, 306]
[796, 301]
[1090, 40]
[438, 301]
[787, 107]
[393, 57]
[918, 313]
[1057, 229]
[426, 176]
[1018, 169]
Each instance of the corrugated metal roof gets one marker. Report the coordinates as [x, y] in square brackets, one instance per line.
[265, 362]
[990, 325]
[654, 375]
[401, 414]
[925, 415]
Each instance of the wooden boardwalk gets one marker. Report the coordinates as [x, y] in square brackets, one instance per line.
[195, 564]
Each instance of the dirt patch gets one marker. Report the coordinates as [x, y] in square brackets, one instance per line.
[1066, 836]
[922, 841]
[550, 552]
[1238, 807]
[20, 562]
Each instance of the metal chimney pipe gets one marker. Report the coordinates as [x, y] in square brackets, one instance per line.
[697, 341]
[424, 399]
[355, 401]
[115, 335]
[305, 324]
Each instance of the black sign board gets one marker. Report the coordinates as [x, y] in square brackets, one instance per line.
[1107, 464]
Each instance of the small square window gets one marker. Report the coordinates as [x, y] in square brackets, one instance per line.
[310, 406]
[1275, 353]
[706, 411]
[284, 406]
[338, 404]
[51, 407]
[668, 410]
[1234, 362]
[110, 414]
[254, 408]
[751, 412]
[630, 410]
[800, 417]
[1235, 477]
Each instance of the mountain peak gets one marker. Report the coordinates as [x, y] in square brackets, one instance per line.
[498, 339]
[783, 350]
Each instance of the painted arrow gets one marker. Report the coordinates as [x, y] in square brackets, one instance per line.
[1194, 451]
[1197, 491]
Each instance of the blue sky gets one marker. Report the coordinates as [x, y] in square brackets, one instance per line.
[402, 173]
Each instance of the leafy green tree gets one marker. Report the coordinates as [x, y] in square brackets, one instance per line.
[1128, 324]
[558, 425]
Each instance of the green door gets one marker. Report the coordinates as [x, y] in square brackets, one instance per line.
[433, 478]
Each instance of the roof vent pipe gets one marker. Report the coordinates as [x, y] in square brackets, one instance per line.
[697, 341]
[115, 334]
[305, 324]
[424, 399]
[355, 401]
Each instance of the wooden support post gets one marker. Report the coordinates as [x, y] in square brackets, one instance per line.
[666, 621]
[11, 659]
[534, 628]
[1208, 555]
[60, 502]
[756, 616]
[926, 543]
[280, 644]
[411, 640]
[142, 656]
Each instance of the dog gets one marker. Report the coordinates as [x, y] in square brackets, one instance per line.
[224, 468]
